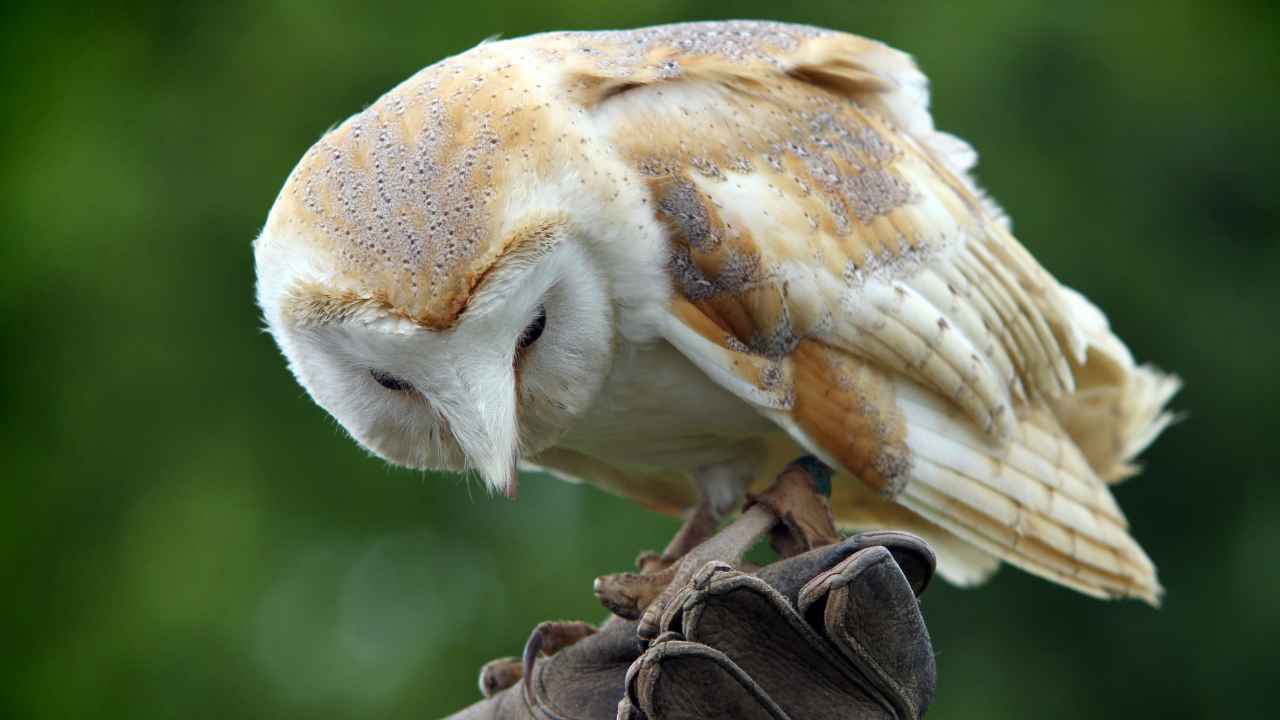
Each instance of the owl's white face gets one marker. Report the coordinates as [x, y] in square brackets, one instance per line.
[523, 362]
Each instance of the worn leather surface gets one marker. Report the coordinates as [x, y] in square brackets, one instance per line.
[835, 632]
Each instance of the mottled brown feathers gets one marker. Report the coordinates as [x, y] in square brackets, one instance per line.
[849, 408]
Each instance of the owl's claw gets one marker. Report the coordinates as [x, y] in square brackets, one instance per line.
[628, 594]
[793, 510]
[697, 528]
[727, 546]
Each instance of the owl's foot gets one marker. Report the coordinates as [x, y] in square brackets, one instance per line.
[699, 526]
[628, 594]
[793, 510]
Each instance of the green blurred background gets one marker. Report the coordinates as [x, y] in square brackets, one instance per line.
[183, 534]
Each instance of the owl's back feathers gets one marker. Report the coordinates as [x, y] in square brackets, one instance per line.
[835, 265]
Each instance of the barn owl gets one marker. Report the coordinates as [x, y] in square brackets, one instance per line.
[667, 261]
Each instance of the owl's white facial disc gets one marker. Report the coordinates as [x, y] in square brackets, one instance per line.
[524, 360]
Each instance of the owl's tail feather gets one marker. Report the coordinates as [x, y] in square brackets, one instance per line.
[1118, 407]
[1034, 502]
[857, 507]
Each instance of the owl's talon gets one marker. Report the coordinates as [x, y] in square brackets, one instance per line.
[628, 594]
[697, 529]
[794, 510]
[726, 546]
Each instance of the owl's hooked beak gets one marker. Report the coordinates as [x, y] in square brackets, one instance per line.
[484, 423]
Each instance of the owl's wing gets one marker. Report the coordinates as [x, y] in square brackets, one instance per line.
[834, 265]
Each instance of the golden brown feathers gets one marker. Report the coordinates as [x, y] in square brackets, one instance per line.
[852, 280]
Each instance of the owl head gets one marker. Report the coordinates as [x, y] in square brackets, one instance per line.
[437, 273]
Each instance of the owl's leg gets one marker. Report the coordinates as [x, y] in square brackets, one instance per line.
[723, 487]
[627, 594]
[693, 532]
[794, 508]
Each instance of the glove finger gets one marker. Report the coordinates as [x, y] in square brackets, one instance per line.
[550, 637]
[676, 679]
[583, 680]
[758, 630]
[912, 554]
[868, 609]
[672, 620]
[500, 674]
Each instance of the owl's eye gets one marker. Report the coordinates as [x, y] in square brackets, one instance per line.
[533, 331]
[389, 381]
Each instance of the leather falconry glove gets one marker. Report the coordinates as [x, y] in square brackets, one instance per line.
[834, 632]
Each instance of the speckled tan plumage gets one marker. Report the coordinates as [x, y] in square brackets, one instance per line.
[830, 260]
[833, 239]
